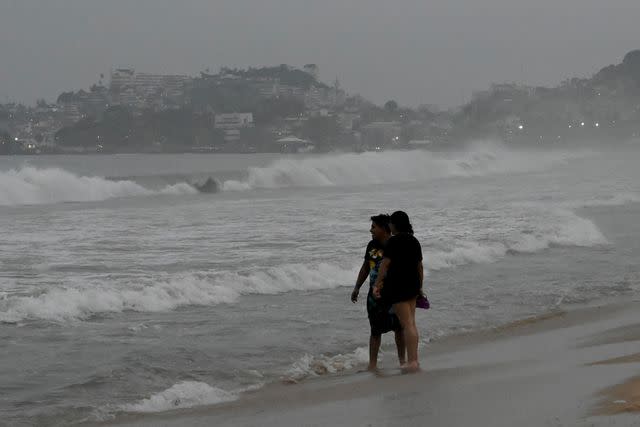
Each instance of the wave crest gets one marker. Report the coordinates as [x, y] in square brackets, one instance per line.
[481, 158]
[312, 366]
[186, 394]
[567, 229]
[30, 186]
[155, 294]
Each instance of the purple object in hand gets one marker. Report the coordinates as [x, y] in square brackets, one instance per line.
[422, 302]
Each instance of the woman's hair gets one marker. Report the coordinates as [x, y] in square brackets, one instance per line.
[382, 221]
[401, 222]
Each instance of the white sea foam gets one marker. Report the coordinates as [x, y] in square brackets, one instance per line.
[309, 365]
[186, 394]
[155, 294]
[30, 185]
[616, 199]
[566, 229]
[464, 253]
[482, 158]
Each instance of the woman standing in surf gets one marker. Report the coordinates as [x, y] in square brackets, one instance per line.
[399, 281]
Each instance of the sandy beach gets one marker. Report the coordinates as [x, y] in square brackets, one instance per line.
[577, 368]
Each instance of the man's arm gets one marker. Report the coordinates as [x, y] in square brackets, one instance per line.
[382, 273]
[362, 276]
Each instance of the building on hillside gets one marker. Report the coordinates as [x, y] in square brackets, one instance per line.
[120, 78]
[232, 123]
[290, 91]
[146, 90]
[347, 120]
[266, 88]
[71, 113]
[233, 120]
[231, 135]
[336, 95]
[291, 144]
[315, 98]
[148, 85]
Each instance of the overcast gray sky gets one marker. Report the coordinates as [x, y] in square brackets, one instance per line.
[414, 51]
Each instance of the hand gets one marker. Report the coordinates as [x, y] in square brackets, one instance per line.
[376, 291]
[354, 295]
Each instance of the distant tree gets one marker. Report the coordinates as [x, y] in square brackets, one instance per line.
[178, 128]
[311, 69]
[66, 97]
[321, 130]
[5, 142]
[372, 113]
[270, 109]
[631, 64]
[41, 103]
[632, 59]
[391, 106]
[427, 112]
[117, 115]
[259, 138]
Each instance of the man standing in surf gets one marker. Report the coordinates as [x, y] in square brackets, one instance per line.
[380, 319]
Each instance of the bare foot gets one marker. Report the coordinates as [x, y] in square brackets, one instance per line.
[372, 368]
[410, 368]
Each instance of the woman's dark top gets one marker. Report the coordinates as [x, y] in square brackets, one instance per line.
[402, 281]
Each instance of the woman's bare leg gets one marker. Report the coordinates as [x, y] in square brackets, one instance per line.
[406, 312]
[400, 346]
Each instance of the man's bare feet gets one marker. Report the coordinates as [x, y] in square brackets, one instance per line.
[372, 368]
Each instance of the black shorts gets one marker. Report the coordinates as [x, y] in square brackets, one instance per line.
[395, 293]
[380, 320]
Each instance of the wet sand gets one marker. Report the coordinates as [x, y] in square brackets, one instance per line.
[578, 368]
[622, 398]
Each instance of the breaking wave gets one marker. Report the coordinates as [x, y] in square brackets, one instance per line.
[186, 394]
[616, 199]
[567, 229]
[482, 158]
[30, 186]
[313, 366]
[155, 294]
